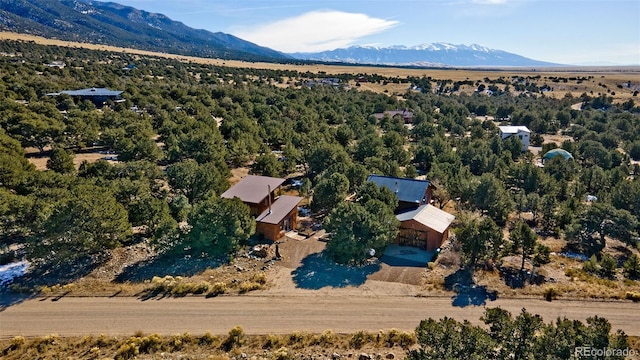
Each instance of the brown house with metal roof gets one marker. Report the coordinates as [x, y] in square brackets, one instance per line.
[253, 191]
[275, 216]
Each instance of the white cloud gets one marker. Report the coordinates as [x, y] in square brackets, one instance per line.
[315, 31]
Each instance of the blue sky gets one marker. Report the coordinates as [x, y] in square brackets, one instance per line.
[586, 32]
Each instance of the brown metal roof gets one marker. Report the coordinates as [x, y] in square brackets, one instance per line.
[279, 209]
[252, 188]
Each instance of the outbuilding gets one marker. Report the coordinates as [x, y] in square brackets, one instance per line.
[426, 227]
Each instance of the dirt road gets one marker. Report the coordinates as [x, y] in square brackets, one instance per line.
[275, 314]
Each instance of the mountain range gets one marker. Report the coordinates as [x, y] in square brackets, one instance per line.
[123, 26]
[436, 54]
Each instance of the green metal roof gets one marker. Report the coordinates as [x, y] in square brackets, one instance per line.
[555, 152]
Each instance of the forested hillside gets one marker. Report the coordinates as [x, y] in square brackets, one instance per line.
[109, 23]
[183, 127]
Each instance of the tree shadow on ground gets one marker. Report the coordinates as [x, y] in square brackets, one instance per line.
[467, 291]
[516, 279]
[170, 263]
[9, 298]
[48, 273]
[317, 272]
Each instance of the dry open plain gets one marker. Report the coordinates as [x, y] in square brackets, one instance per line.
[611, 77]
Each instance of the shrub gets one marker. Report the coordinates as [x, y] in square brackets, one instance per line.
[282, 354]
[632, 267]
[327, 337]
[272, 342]
[608, 265]
[217, 288]
[207, 339]
[127, 351]
[104, 341]
[150, 344]
[359, 339]
[42, 344]
[591, 265]
[247, 286]
[177, 342]
[16, 343]
[400, 338]
[178, 287]
[297, 338]
[235, 338]
[551, 293]
[260, 278]
[632, 295]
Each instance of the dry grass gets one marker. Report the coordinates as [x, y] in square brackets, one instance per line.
[391, 344]
[237, 174]
[564, 277]
[40, 162]
[235, 344]
[243, 275]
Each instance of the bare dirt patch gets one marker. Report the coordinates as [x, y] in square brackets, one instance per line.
[556, 138]
[90, 155]
[303, 270]
[237, 174]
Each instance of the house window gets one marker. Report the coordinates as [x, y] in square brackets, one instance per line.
[520, 136]
[286, 224]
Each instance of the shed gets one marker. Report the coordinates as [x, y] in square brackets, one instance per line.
[426, 227]
[411, 192]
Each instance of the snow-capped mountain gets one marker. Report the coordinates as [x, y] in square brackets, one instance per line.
[434, 54]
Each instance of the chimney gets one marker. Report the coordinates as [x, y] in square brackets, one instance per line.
[269, 197]
[395, 190]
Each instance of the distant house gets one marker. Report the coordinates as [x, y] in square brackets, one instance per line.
[335, 82]
[406, 115]
[411, 193]
[522, 132]
[275, 216]
[426, 227]
[96, 95]
[58, 64]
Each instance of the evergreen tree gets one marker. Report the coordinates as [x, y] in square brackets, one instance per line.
[61, 161]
